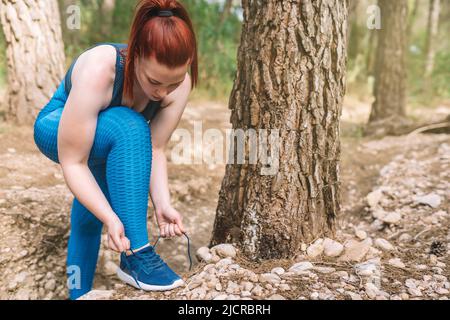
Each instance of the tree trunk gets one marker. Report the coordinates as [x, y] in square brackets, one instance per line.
[412, 20]
[432, 30]
[226, 11]
[106, 17]
[390, 72]
[291, 78]
[35, 56]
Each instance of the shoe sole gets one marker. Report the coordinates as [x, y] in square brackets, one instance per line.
[125, 277]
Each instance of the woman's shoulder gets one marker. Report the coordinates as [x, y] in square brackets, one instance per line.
[99, 61]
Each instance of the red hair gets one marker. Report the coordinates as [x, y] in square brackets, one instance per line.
[171, 40]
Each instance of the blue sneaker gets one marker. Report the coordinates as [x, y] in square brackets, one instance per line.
[146, 270]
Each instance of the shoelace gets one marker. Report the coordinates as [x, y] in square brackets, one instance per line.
[160, 262]
[189, 249]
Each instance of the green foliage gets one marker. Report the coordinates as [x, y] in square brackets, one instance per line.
[217, 46]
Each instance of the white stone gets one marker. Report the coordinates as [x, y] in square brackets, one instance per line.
[278, 270]
[396, 262]
[97, 295]
[384, 245]
[361, 234]
[269, 277]
[392, 217]
[431, 199]
[110, 268]
[332, 248]
[224, 250]
[203, 254]
[371, 290]
[356, 251]
[374, 197]
[301, 266]
[315, 249]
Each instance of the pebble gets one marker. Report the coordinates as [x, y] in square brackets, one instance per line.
[384, 245]
[301, 266]
[332, 248]
[315, 249]
[224, 250]
[396, 262]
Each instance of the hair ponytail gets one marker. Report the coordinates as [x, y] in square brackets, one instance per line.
[171, 39]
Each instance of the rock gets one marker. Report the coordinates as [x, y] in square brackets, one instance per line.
[269, 277]
[415, 292]
[224, 250]
[314, 296]
[276, 297]
[356, 251]
[203, 254]
[332, 248]
[279, 271]
[110, 268]
[246, 293]
[221, 297]
[371, 290]
[384, 245]
[368, 268]
[374, 197]
[257, 290]
[324, 270]
[50, 285]
[315, 249]
[301, 266]
[23, 294]
[97, 295]
[404, 237]
[431, 199]
[354, 296]
[361, 234]
[392, 218]
[396, 262]
[20, 278]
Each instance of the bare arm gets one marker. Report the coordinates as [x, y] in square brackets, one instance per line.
[162, 127]
[91, 87]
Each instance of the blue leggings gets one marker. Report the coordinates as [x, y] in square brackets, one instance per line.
[120, 160]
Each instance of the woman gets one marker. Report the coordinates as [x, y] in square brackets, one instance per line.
[97, 127]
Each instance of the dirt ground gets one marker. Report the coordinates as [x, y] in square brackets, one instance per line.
[35, 203]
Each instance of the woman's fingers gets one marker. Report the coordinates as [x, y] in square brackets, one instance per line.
[118, 243]
[111, 244]
[125, 243]
[172, 230]
[177, 230]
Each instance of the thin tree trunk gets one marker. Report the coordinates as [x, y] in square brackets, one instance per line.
[226, 11]
[107, 11]
[35, 55]
[412, 20]
[290, 77]
[432, 31]
[390, 71]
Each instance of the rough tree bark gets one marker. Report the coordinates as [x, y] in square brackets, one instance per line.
[35, 56]
[432, 31]
[290, 77]
[388, 110]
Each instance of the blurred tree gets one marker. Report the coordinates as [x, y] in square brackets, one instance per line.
[35, 55]
[412, 19]
[106, 18]
[388, 110]
[432, 31]
[290, 81]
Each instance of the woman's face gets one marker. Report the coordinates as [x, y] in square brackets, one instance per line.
[157, 80]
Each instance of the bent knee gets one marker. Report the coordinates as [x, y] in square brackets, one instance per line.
[123, 121]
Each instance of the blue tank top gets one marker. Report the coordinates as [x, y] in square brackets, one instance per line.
[152, 107]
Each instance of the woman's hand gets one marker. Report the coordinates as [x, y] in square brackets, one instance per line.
[116, 235]
[169, 222]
